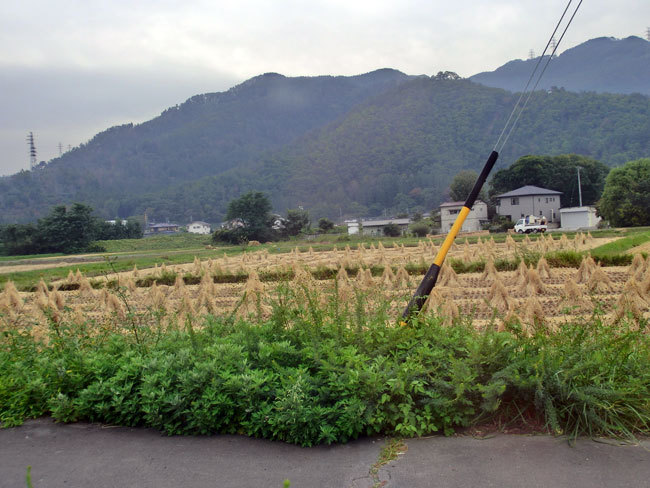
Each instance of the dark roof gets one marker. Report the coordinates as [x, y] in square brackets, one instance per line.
[457, 204]
[155, 226]
[376, 223]
[528, 190]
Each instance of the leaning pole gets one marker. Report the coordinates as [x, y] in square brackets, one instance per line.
[429, 281]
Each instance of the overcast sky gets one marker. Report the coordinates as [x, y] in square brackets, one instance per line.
[69, 69]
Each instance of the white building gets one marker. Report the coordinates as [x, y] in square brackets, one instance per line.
[572, 218]
[529, 200]
[353, 227]
[477, 216]
[198, 227]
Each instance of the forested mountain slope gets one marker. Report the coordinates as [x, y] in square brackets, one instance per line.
[335, 145]
[401, 149]
[604, 65]
[206, 135]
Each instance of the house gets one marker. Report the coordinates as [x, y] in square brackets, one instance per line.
[477, 216]
[198, 227]
[376, 227]
[573, 218]
[353, 227]
[530, 200]
[165, 228]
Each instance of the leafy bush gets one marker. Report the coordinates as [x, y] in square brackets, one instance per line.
[329, 372]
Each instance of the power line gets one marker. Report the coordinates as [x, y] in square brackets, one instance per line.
[521, 96]
[548, 60]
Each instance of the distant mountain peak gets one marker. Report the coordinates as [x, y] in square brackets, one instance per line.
[603, 64]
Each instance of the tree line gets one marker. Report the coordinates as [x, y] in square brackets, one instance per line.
[65, 230]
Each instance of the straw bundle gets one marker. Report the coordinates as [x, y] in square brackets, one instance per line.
[498, 297]
[448, 276]
[543, 268]
[534, 283]
[12, 297]
[599, 282]
[490, 272]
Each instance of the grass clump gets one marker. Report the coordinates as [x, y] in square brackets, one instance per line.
[323, 371]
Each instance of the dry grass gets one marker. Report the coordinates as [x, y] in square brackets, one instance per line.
[540, 296]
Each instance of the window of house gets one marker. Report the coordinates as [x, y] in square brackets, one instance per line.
[546, 199]
[453, 212]
[514, 201]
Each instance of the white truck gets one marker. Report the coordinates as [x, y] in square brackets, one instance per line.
[529, 224]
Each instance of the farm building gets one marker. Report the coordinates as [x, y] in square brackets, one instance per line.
[198, 227]
[573, 218]
[530, 200]
[449, 211]
[165, 228]
[376, 227]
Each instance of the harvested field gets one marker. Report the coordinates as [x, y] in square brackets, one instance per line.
[246, 285]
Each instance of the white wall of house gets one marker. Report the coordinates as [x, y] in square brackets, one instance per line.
[449, 211]
[198, 228]
[538, 205]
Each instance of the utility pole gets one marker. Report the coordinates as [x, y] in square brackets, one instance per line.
[32, 151]
[579, 187]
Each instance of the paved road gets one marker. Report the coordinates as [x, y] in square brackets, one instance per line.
[86, 455]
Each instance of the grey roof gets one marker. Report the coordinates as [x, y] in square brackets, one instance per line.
[457, 204]
[376, 223]
[528, 190]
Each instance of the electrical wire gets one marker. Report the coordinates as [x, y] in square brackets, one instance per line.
[528, 93]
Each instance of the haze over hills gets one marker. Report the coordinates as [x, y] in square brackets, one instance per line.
[336, 145]
[603, 65]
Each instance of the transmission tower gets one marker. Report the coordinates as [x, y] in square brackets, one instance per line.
[531, 54]
[32, 151]
[647, 33]
[553, 44]
[60, 149]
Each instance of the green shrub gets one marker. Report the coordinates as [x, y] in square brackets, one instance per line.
[329, 372]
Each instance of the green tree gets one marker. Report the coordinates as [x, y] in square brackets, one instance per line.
[253, 211]
[392, 230]
[626, 197]
[420, 229]
[66, 230]
[325, 225]
[557, 173]
[296, 221]
[462, 185]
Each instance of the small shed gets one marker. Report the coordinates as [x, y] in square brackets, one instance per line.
[572, 218]
[376, 227]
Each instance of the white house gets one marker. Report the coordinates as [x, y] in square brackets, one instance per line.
[573, 218]
[529, 200]
[198, 227]
[477, 216]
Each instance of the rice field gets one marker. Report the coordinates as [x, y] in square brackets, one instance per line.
[371, 277]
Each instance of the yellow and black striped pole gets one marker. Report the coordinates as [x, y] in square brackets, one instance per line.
[429, 280]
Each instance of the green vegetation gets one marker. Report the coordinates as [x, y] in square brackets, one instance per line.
[353, 146]
[64, 230]
[626, 199]
[623, 245]
[330, 373]
[182, 240]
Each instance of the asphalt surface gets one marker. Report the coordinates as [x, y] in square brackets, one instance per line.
[90, 455]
